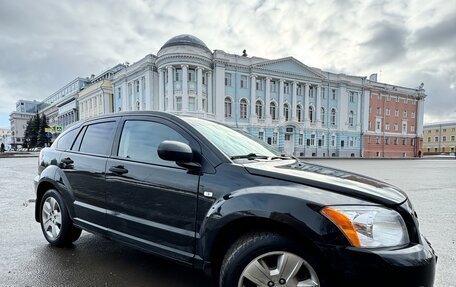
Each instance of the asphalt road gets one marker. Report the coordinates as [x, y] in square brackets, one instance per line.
[27, 260]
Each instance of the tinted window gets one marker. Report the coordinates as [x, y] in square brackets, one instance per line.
[77, 142]
[140, 140]
[66, 140]
[98, 138]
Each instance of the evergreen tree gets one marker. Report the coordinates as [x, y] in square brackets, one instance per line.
[42, 139]
[34, 129]
[27, 133]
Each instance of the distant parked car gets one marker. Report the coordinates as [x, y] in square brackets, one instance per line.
[212, 197]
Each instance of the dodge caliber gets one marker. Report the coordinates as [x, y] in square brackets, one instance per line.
[214, 198]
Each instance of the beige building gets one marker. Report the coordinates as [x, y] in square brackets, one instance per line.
[18, 122]
[96, 99]
[440, 138]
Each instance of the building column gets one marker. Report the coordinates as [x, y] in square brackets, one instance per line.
[318, 107]
[148, 87]
[220, 93]
[252, 98]
[267, 111]
[294, 100]
[124, 91]
[358, 111]
[161, 94]
[306, 104]
[199, 88]
[170, 106]
[209, 92]
[419, 118]
[184, 88]
[343, 108]
[280, 107]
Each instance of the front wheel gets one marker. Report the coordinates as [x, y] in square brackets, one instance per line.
[269, 259]
[55, 222]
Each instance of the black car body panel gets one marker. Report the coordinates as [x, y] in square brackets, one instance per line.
[180, 214]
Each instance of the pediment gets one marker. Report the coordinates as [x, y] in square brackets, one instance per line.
[289, 65]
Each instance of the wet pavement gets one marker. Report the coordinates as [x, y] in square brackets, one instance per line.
[27, 260]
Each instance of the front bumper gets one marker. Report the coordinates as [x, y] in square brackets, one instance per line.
[410, 266]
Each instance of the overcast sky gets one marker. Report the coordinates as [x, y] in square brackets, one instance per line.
[46, 44]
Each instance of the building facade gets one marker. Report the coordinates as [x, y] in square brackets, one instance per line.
[18, 121]
[298, 109]
[395, 121]
[440, 138]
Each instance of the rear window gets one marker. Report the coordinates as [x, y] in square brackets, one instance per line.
[66, 140]
[98, 138]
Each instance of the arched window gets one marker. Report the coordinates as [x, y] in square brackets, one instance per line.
[350, 118]
[243, 109]
[272, 110]
[322, 115]
[333, 116]
[311, 114]
[228, 107]
[299, 112]
[285, 111]
[259, 109]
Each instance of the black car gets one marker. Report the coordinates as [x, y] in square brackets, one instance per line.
[212, 197]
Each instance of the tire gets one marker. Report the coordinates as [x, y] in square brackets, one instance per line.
[260, 259]
[57, 227]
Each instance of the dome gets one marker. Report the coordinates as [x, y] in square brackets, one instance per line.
[185, 40]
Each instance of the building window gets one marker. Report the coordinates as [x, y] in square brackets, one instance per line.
[412, 129]
[179, 103]
[273, 87]
[323, 93]
[322, 115]
[404, 114]
[259, 85]
[378, 125]
[387, 140]
[396, 112]
[300, 139]
[228, 105]
[452, 138]
[395, 141]
[259, 109]
[412, 142]
[191, 103]
[387, 127]
[312, 139]
[412, 115]
[244, 82]
[350, 118]
[377, 140]
[272, 110]
[261, 135]
[387, 111]
[243, 108]
[397, 99]
[228, 79]
[404, 141]
[404, 127]
[311, 114]
[436, 139]
[286, 88]
[388, 98]
[333, 91]
[351, 142]
[176, 75]
[299, 112]
[396, 127]
[190, 76]
[379, 111]
[323, 143]
[352, 97]
[429, 139]
[311, 91]
[368, 139]
[275, 135]
[342, 144]
[285, 111]
[333, 140]
[333, 117]
[444, 138]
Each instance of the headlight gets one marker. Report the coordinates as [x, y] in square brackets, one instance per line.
[369, 226]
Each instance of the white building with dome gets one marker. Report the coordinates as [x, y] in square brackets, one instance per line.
[299, 109]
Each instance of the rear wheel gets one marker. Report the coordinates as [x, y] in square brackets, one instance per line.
[55, 222]
[269, 259]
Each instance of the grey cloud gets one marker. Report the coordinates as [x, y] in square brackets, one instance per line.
[439, 35]
[387, 43]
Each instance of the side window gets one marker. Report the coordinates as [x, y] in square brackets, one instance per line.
[98, 138]
[77, 142]
[66, 140]
[140, 140]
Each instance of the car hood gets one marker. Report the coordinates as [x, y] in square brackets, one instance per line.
[330, 179]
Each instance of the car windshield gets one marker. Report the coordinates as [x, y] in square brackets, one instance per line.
[234, 143]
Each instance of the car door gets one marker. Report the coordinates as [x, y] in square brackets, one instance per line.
[151, 203]
[84, 168]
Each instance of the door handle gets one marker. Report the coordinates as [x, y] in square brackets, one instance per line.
[67, 160]
[118, 169]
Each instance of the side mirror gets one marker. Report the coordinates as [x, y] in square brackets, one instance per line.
[175, 151]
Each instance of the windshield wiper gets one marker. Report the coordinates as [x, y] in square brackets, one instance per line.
[281, 157]
[249, 156]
